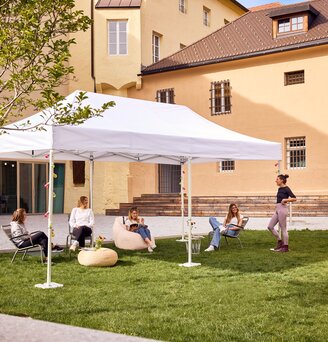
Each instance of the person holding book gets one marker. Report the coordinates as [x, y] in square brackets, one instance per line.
[136, 224]
[230, 226]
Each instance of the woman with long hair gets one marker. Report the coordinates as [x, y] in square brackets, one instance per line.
[21, 236]
[232, 219]
[284, 196]
[81, 221]
[136, 224]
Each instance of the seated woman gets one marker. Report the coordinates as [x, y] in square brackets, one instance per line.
[22, 238]
[81, 221]
[228, 227]
[136, 224]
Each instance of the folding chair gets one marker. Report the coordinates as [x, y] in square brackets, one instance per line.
[29, 249]
[238, 230]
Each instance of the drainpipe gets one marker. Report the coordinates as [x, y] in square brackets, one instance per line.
[93, 48]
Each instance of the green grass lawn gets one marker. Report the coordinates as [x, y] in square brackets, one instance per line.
[248, 294]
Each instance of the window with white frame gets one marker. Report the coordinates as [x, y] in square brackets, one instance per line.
[206, 16]
[183, 6]
[291, 24]
[296, 153]
[220, 97]
[156, 40]
[117, 37]
[227, 166]
[165, 95]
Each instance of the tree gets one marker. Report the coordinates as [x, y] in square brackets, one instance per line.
[34, 53]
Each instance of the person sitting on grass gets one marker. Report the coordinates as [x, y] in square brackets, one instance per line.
[136, 224]
[22, 238]
[82, 221]
[228, 227]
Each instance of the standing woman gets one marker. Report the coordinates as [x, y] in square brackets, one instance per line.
[284, 195]
[82, 221]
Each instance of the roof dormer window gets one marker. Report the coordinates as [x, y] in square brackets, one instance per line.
[289, 20]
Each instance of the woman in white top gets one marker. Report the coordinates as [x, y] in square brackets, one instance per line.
[228, 227]
[81, 221]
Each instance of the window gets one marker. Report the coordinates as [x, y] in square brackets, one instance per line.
[220, 97]
[165, 95]
[295, 153]
[227, 166]
[183, 6]
[206, 16]
[290, 24]
[294, 77]
[117, 37]
[156, 47]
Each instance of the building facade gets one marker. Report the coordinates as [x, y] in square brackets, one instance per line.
[126, 36]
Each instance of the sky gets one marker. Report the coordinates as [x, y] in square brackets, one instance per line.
[251, 3]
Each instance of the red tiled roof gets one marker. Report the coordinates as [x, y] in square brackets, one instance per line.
[249, 35]
[266, 6]
[118, 3]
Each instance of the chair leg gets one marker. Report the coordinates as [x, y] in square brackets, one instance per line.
[23, 257]
[241, 245]
[14, 257]
[226, 240]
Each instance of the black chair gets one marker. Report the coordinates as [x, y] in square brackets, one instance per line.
[36, 248]
[238, 230]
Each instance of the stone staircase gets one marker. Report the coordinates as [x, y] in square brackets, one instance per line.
[253, 206]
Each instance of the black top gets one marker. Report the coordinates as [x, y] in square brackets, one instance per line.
[284, 192]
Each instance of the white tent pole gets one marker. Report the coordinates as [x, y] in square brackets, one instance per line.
[49, 284]
[182, 204]
[91, 181]
[189, 263]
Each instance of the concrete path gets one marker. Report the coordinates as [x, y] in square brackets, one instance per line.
[161, 226]
[21, 329]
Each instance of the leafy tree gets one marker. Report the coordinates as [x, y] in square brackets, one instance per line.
[35, 39]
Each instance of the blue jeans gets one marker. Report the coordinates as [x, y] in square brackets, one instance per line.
[217, 235]
[144, 232]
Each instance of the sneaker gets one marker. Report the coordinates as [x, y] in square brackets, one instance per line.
[279, 245]
[73, 248]
[57, 248]
[153, 246]
[150, 250]
[210, 249]
[282, 249]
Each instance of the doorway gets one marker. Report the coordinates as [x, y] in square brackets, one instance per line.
[169, 178]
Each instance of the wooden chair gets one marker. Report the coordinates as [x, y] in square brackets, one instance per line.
[238, 230]
[29, 249]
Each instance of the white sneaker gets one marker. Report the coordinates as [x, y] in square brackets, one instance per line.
[150, 250]
[153, 246]
[210, 249]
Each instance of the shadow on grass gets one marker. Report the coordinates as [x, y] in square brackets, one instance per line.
[306, 247]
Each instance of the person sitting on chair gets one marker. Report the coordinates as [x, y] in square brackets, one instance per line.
[22, 238]
[136, 224]
[81, 221]
[228, 227]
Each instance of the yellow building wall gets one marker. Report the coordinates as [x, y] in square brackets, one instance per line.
[164, 17]
[262, 107]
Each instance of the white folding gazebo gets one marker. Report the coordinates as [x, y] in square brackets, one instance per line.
[133, 131]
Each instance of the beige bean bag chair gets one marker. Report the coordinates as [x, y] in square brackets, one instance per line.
[127, 240]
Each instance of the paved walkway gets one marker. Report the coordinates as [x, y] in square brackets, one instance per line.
[21, 329]
[161, 226]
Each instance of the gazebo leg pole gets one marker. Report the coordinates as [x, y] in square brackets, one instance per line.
[182, 205]
[189, 263]
[91, 182]
[49, 284]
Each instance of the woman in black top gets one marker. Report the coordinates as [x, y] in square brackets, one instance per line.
[284, 195]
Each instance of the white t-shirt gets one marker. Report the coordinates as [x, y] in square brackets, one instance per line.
[234, 220]
[82, 217]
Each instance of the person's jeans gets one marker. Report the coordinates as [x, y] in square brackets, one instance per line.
[81, 233]
[217, 234]
[38, 238]
[144, 232]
